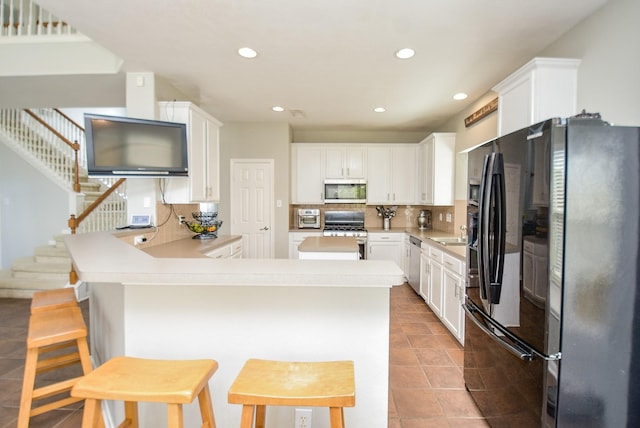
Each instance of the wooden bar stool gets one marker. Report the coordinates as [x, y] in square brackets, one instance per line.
[53, 299]
[263, 383]
[50, 335]
[175, 382]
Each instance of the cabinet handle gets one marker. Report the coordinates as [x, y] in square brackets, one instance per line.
[265, 228]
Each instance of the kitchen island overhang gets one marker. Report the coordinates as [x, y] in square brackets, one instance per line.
[235, 309]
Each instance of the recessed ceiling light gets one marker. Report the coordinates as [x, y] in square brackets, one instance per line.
[247, 53]
[277, 108]
[405, 53]
[460, 96]
[379, 109]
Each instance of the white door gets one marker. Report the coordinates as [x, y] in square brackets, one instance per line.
[252, 206]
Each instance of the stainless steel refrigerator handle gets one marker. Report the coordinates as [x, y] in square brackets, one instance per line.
[517, 348]
[483, 241]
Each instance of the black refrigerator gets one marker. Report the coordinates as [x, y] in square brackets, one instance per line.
[552, 305]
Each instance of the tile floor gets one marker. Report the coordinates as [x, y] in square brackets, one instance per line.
[426, 385]
[425, 369]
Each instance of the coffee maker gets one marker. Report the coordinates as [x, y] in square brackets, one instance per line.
[424, 220]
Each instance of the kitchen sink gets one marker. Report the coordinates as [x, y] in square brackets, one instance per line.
[450, 241]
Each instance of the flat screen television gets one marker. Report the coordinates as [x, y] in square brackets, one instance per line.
[129, 147]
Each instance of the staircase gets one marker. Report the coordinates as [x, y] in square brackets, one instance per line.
[47, 269]
[50, 265]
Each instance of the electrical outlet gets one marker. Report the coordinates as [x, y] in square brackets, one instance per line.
[140, 239]
[181, 218]
[303, 418]
[448, 217]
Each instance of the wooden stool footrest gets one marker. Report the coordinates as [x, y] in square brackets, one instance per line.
[58, 362]
[53, 405]
[55, 388]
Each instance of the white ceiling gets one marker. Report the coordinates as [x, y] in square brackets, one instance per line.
[331, 59]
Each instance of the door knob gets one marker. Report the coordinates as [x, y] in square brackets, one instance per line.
[265, 228]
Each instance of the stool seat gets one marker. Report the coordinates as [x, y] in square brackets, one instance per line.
[129, 379]
[55, 326]
[53, 299]
[279, 383]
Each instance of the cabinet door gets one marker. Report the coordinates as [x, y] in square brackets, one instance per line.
[203, 183]
[378, 175]
[345, 162]
[428, 164]
[308, 174]
[403, 177]
[204, 160]
[435, 287]
[452, 315]
[438, 162]
[380, 250]
[424, 277]
[356, 162]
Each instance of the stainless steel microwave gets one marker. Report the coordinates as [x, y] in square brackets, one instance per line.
[345, 191]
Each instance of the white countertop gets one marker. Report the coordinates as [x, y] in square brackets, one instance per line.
[330, 244]
[101, 257]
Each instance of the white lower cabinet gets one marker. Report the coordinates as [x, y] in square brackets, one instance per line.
[385, 246]
[295, 239]
[453, 296]
[229, 251]
[434, 282]
[442, 287]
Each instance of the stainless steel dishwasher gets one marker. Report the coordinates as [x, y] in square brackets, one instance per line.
[415, 249]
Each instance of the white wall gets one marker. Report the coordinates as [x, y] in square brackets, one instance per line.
[33, 209]
[608, 77]
[240, 140]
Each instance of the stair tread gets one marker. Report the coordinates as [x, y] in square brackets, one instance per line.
[51, 251]
[29, 264]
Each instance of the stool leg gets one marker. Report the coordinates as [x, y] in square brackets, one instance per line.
[206, 408]
[247, 416]
[28, 382]
[85, 356]
[337, 417]
[92, 414]
[175, 415]
[131, 413]
[261, 413]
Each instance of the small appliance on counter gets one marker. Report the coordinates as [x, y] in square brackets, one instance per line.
[308, 218]
[424, 220]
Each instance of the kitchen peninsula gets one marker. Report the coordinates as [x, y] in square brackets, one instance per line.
[235, 309]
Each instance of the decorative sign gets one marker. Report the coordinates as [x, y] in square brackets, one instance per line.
[484, 111]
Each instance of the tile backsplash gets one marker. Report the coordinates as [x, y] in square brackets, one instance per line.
[406, 215]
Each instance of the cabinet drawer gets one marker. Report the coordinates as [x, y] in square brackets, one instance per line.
[453, 264]
[236, 247]
[435, 254]
[385, 237]
[220, 253]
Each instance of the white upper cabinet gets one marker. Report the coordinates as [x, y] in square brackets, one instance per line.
[541, 89]
[345, 162]
[203, 183]
[437, 168]
[391, 174]
[307, 174]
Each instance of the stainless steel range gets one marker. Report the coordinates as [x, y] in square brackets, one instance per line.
[347, 223]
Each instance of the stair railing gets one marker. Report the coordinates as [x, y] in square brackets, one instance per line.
[74, 222]
[26, 18]
[75, 146]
